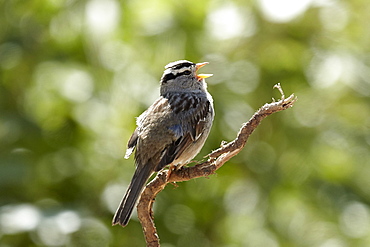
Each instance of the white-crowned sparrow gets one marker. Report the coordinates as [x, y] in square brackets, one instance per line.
[171, 131]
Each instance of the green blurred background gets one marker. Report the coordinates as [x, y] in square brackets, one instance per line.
[75, 74]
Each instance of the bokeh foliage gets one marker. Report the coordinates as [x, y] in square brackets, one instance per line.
[75, 74]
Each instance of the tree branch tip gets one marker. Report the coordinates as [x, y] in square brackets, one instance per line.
[289, 102]
[278, 87]
[286, 102]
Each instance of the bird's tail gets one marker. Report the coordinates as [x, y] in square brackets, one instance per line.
[124, 211]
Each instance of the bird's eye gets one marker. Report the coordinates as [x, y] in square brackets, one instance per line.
[187, 72]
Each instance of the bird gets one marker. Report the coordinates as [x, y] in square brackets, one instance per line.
[171, 132]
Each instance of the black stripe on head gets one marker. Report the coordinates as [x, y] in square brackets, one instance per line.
[168, 77]
[171, 76]
[173, 70]
[183, 65]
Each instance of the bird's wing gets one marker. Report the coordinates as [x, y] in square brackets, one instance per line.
[132, 143]
[146, 118]
[191, 112]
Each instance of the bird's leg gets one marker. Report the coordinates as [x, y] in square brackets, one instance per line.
[171, 168]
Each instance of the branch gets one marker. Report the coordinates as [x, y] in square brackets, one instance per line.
[215, 160]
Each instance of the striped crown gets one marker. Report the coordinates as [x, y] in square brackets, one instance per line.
[176, 69]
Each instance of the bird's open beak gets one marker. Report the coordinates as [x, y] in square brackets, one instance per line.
[202, 76]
